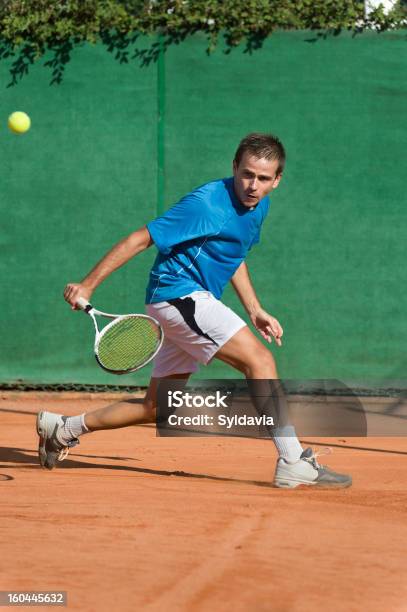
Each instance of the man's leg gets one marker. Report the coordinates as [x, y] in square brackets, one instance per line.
[247, 354]
[58, 433]
[128, 412]
[295, 467]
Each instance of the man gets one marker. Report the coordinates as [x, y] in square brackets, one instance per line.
[202, 243]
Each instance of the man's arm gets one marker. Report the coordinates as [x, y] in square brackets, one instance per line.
[267, 325]
[120, 254]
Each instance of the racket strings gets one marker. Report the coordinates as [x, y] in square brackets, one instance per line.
[128, 343]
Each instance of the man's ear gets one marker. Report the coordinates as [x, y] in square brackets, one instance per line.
[234, 166]
[277, 180]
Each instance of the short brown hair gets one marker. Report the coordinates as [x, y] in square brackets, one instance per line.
[261, 146]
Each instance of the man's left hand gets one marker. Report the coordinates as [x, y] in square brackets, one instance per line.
[267, 326]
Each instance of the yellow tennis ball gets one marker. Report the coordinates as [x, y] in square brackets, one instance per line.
[19, 122]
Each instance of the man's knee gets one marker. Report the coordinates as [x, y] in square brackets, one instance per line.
[260, 365]
[247, 354]
[150, 408]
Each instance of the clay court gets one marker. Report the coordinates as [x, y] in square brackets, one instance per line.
[131, 521]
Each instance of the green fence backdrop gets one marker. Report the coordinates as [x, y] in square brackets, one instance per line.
[114, 144]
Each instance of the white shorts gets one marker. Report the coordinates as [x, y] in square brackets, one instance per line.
[195, 327]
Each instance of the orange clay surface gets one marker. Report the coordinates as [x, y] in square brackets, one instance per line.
[131, 521]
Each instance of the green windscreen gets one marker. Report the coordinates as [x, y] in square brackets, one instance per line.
[330, 264]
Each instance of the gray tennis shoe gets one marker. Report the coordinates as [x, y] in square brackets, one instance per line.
[307, 471]
[50, 449]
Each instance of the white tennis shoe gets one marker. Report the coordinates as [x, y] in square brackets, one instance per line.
[307, 471]
[50, 449]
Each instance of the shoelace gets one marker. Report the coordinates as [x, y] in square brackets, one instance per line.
[327, 450]
[65, 450]
[64, 453]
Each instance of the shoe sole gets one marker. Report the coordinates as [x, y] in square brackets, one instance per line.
[42, 433]
[41, 445]
[294, 484]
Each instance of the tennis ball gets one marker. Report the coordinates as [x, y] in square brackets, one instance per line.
[19, 122]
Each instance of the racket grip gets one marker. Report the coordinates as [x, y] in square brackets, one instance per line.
[83, 304]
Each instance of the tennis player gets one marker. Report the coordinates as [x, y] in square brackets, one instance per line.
[202, 243]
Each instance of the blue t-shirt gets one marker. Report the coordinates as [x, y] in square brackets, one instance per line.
[202, 240]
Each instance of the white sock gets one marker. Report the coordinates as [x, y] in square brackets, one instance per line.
[287, 443]
[73, 428]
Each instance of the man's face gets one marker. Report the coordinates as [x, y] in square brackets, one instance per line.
[254, 178]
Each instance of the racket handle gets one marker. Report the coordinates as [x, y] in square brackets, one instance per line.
[83, 304]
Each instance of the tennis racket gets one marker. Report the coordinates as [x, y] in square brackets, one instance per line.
[127, 343]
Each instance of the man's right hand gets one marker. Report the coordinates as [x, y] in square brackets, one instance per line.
[74, 291]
